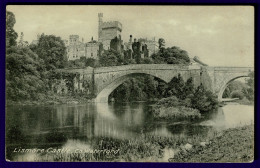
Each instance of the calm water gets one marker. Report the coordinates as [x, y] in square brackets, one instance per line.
[74, 125]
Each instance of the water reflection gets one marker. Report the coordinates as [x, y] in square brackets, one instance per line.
[77, 125]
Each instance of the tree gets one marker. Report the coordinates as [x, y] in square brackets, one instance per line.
[203, 100]
[250, 91]
[111, 58]
[161, 43]
[25, 70]
[25, 77]
[11, 35]
[175, 87]
[90, 62]
[237, 94]
[147, 61]
[136, 46]
[173, 55]
[234, 86]
[52, 50]
[188, 88]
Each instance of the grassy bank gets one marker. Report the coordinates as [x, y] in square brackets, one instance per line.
[232, 145]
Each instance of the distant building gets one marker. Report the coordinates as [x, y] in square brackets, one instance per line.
[93, 49]
[152, 45]
[146, 47]
[76, 48]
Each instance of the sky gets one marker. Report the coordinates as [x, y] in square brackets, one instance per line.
[218, 35]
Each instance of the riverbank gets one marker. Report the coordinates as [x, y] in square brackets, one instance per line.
[231, 145]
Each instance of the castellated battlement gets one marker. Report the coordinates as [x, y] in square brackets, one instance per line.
[112, 24]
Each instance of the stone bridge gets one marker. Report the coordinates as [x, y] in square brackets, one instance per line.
[103, 80]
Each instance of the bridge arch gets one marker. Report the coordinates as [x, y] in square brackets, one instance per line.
[102, 96]
[224, 86]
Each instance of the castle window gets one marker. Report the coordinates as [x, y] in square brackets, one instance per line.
[91, 54]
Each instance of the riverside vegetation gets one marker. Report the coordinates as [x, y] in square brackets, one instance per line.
[215, 146]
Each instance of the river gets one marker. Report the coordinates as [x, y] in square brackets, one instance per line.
[74, 126]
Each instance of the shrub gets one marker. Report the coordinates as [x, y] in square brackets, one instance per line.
[237, 94]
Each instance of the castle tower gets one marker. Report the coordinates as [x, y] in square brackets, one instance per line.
[108, 31]
[100, 22]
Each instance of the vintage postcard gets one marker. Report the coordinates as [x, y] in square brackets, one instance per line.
[127, 83]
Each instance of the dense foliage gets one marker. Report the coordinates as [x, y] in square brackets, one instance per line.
[111, 58]
[250, 91]
[11, 35]
[52, 50]
[150, 88]
[203, 100]
[25, 76]
[28, 68]
[173, 108]
[172, 55]
[238, 89]
[139, 89]
[83, 62]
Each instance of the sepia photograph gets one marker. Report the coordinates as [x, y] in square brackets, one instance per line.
[129, 83]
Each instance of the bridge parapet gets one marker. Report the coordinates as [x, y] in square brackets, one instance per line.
[227, 69]
[144, 67]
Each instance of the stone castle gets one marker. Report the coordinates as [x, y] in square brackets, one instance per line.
[109, 37]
